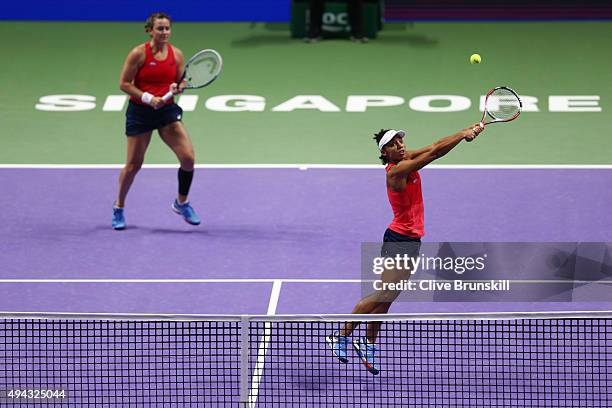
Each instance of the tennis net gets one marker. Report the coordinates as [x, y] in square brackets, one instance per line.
[427, 360]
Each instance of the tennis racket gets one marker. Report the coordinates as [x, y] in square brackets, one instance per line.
[201, 70]
[502, 104]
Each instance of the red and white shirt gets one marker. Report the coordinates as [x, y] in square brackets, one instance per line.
[155, 77]
[407, 206]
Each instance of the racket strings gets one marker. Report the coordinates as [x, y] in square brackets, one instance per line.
[503, 104]
[202, 70]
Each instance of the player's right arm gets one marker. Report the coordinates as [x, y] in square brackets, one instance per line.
[416, 160]
[132, 64]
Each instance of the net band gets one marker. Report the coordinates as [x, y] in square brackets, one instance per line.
[565, 314]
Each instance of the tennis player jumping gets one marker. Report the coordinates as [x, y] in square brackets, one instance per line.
[149, 72]
[404, 234]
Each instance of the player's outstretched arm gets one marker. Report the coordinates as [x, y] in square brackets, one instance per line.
[417, 159]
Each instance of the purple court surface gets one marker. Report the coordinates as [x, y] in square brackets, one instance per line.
[299, 228]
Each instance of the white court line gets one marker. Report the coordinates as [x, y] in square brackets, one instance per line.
[263, 345]
[274, 296]
[213, 280]
[278, 282]
[306, 166]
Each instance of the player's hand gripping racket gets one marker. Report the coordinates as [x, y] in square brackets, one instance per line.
[502, 104]
[201, 70]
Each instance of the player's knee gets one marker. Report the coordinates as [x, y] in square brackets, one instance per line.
[188, 162]
[364, 302]
[387, 296]
[132, 168]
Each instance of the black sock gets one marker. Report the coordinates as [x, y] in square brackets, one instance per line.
[184, 179]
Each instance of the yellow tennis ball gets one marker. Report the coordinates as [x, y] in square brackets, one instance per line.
[475, 59]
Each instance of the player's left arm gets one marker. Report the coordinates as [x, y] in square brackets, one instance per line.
[411, 154]
[179, 57]
[470, 134]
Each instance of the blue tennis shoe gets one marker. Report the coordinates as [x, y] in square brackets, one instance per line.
[366, 353]
[338, 346]
[186, 211]
[118, 219]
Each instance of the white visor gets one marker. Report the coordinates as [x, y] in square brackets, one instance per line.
[388, 136]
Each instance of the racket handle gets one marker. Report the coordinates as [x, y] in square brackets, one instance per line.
[482, 125]
[167, 96]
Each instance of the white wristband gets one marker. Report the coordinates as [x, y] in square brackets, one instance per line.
[146, 98]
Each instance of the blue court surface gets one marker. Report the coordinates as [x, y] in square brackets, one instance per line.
[287, 241]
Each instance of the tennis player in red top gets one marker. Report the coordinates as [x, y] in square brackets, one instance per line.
[403, 236]
[149, 72]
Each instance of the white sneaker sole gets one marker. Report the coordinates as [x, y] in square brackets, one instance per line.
[331, 346]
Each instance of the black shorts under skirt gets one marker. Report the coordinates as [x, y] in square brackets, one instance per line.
[395, 243]
[141, 119]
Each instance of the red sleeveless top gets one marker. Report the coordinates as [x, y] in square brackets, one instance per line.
[407, 205]
[155, 76]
